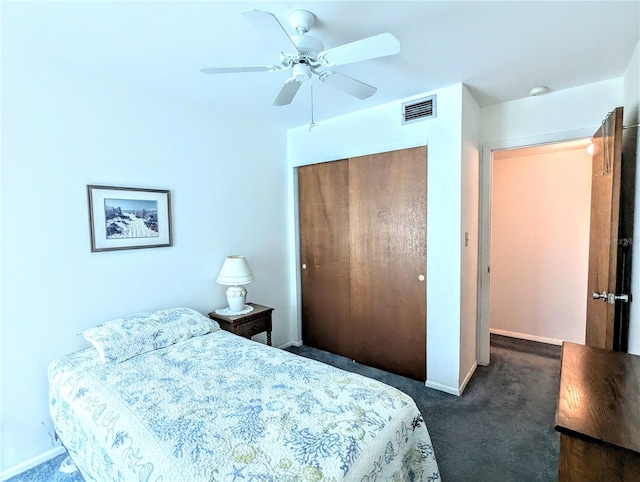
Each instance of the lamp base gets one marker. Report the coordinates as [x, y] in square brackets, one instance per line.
[236, 297]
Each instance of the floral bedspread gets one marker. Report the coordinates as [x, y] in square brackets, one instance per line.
[218, 407]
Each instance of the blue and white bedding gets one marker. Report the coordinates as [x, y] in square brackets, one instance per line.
[217, 407]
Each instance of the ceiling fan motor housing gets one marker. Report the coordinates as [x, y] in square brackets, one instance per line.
[309, 47]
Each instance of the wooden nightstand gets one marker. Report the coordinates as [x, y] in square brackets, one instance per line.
[257, 321]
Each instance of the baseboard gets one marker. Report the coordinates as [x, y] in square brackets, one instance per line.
[452, 390]
[524, 336]
[472, 370]
[290, 343]
[31, 463]
[442, 388]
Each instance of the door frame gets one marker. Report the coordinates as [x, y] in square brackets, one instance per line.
[486, 195]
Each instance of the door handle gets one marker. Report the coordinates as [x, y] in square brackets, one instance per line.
[610, 298]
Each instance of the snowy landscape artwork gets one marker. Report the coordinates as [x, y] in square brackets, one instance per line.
[129, 218]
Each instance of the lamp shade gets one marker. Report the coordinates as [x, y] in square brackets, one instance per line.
[235, 271]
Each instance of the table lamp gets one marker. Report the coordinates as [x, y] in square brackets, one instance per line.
[236, 272]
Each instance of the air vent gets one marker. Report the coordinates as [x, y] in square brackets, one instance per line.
[418, 110]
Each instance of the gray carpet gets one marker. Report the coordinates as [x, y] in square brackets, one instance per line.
[502, 427]
[499, 430]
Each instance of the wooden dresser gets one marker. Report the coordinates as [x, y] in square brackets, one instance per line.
[598, 415]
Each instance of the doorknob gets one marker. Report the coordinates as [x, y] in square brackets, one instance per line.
[610, 298]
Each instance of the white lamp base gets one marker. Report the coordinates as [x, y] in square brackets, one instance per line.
[236, 297]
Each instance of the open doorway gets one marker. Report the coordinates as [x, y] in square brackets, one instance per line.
[550, 142]
[539, 248]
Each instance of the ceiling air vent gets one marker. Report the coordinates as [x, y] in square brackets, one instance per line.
[420, 109]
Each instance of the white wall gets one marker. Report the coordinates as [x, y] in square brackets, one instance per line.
[540, 244]
[469, 225]
[62, 129]
[563, 115]
[563, 111]
[631, 93]
[380, 129]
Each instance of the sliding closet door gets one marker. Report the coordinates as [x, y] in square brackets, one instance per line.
[323, 193]
[388, 214]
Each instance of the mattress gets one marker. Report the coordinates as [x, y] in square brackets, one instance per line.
[218, 407]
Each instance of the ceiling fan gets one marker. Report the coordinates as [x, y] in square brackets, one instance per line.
[306, 57]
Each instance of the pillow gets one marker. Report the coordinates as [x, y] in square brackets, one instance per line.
[123, 338]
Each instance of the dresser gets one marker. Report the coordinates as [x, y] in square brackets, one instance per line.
[598, 415]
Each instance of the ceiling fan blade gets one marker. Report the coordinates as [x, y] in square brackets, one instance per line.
[347, 84]
[379, 45]
[233, 70]
[273, 30]
[287, 93]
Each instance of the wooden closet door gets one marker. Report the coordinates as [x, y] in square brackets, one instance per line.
[388, 214]
[323, 194]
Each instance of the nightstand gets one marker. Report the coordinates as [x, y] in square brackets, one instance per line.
[257, 321]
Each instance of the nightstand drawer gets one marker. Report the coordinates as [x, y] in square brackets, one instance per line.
[253, 327]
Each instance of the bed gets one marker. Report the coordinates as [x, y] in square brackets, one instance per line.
[168, 396]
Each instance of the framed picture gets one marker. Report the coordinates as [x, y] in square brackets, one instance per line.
[129, 218]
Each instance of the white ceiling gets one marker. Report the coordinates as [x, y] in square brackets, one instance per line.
[500, 50]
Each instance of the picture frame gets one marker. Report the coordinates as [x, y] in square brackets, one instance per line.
[129, 218]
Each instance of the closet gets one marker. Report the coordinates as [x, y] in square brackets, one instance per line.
[362, 227]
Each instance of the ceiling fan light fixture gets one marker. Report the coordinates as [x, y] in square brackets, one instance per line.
[301, 72]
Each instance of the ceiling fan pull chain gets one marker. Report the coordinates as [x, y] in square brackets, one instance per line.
[313, 124]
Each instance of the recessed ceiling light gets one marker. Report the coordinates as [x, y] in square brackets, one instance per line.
[541, 90]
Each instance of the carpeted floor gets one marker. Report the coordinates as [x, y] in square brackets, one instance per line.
[502, 427]
[499, 430]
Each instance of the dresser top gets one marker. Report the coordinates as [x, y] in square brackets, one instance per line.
[600, 395]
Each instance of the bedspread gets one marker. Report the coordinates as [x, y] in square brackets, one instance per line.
[219, 407]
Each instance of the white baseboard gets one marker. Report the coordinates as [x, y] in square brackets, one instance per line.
[452, 390]
[472, 370]
[524, 336]
[442, 388]
[31, 463]
[290, 343]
